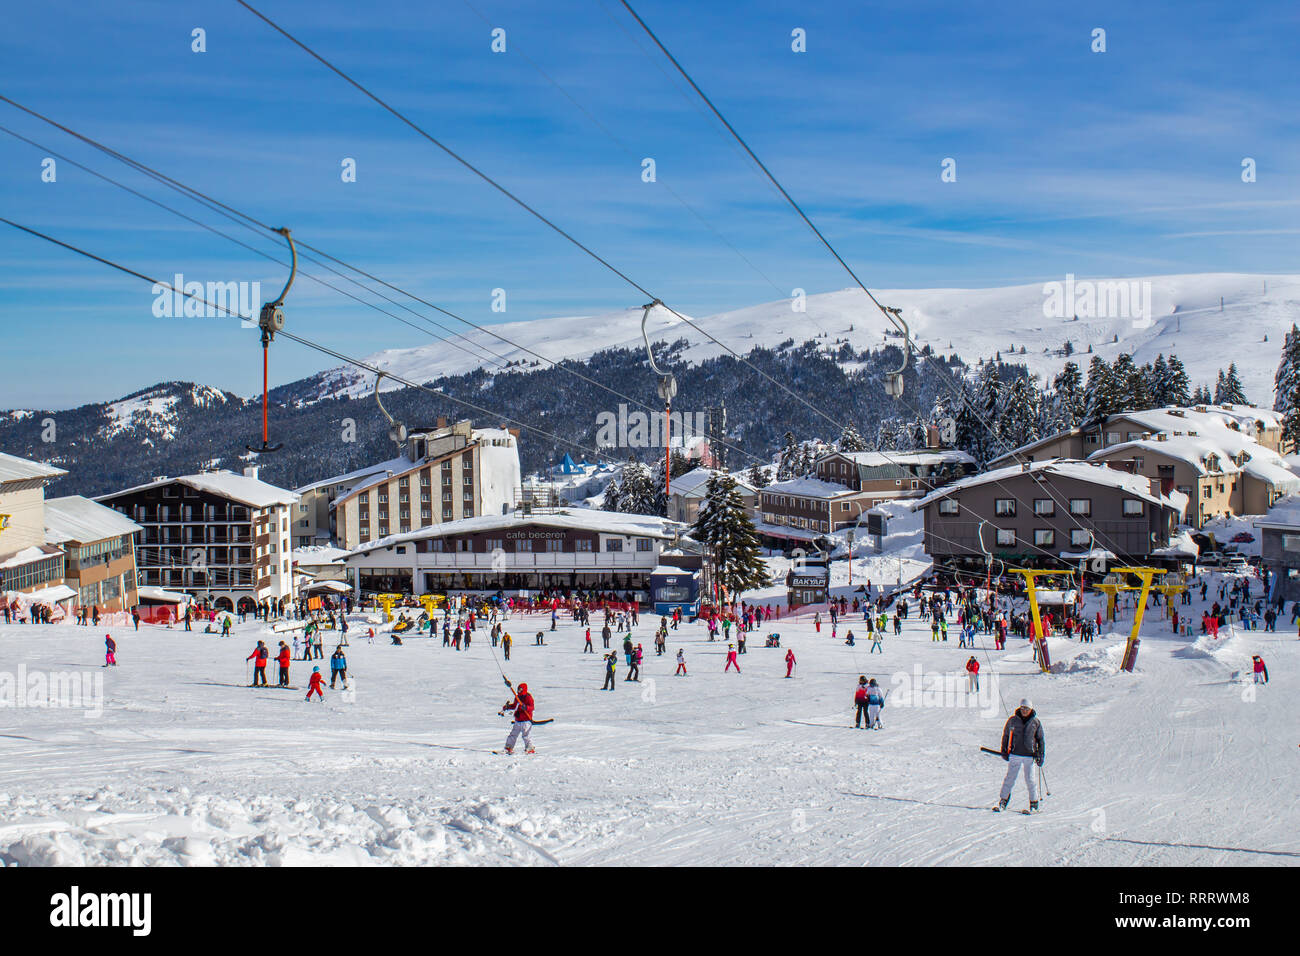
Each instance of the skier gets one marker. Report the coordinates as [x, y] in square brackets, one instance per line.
[860, 703]
[876, 638]
[681, 664]
[731, 659]
[523, 705]
[338, 667]
[875, 701]
[259, 658]
[634, 666]
[587, 648]
[135, 617]
[506, 641]
[972, 675]
[283, 660]
[316, 686]
[789, 663]
[1261, 672]
[110, 651]
[1023, 746]
[611, 663]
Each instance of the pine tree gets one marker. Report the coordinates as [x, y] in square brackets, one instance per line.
[637, 491]
[1103, 392]
[612, 495]
[1233, 393]
[1069, 403]
[757, 476]
[850, 440]
[1179, 384]
[1159, 386]
[727, 533]
[1286, 388]
[788, 460]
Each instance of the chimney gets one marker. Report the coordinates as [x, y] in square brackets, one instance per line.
[442, 421]
[932, 437]
[1163, 436]
[251, 471]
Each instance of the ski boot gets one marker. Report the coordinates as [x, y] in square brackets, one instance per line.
[508, 750]
[1033, 806]
[1002, 805]
[531, 750]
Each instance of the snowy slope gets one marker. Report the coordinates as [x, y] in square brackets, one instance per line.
[975, 323]
[1179, 763]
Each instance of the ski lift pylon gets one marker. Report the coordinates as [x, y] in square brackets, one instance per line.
[270, 321]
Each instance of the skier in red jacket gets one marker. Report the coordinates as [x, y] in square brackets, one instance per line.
[316, 686]
[283, 659]
[972, 675]
[523, 705]
[731, 659]
[259, 657]
[789, 663]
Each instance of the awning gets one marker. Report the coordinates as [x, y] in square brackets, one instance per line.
[162, 595]
[340, 587]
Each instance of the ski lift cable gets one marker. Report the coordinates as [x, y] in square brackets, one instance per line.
[301, 340]
[257, 230]
[244, 219]
[553, 226]
[894, 380]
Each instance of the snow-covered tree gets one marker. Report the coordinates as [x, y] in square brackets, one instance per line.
[789, 458]
[1105, 395]
[1228, 390]
[637, 490]
[1286, 388]
[727, 533]
[850, 440]
[1179, 384]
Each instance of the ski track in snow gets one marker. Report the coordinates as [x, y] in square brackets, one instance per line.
[1171, 765]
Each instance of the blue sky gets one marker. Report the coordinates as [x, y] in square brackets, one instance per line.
[1122, 163]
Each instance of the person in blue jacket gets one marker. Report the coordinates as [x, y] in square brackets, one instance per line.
[338, 667]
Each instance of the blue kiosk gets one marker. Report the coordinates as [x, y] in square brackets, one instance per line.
[672, 588]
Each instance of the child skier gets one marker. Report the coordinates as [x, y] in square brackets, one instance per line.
[110, 651]
[1261, 672]
[681, 664]
[731, 659]
[316, 685]
[875, 701]
[789, 663]
[523, 705]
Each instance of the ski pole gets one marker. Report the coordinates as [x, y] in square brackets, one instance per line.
[1043, 776]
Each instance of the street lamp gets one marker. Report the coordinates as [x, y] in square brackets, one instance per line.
[850, 536]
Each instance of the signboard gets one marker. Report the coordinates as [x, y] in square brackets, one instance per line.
[875, 523]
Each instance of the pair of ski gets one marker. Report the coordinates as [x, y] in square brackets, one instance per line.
[999, 808]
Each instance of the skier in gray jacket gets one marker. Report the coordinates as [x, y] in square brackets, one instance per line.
[1023, 747]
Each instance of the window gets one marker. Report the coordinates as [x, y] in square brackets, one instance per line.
[643, 544]
[948, 506]
[1007, 537]
[1112, 438]
[613, 544]
[1079, 538]
[1044, 537]
[554, 545]
[1044, 506]
[1004, 507]
[1139, 462]
[583, 546]
[1132, 507]
[523, 544]
[1080, 506]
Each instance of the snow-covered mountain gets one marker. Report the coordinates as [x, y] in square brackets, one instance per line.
[1183, 315]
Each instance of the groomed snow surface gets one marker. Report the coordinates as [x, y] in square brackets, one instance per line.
[1179, 763]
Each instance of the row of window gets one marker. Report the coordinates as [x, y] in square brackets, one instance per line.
[526, 545]
[1044, 507]
[1044, 538]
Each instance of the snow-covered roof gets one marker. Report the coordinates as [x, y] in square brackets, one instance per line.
[162, 595]
[1284, 515]
[226, 484]
[694, 482]
[925, 457]
[319, 554]
[74, 518]
[354, 476]
[13, 468]
[1097, 474]
[1194, 450]
[1181, 545]
[29, 554]
[582, 519]
[808, 488]
[669, 569]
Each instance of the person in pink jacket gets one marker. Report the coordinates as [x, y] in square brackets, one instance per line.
[1261, 672]
[731, 659]
[789, 663]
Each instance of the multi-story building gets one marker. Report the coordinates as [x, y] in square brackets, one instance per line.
[579, 548]
[314, 515]
[99, 548]
[1043, 513]
[1280, 548]
[1225, 458]
[689, 490]
[447, 474]
[218, 536]
[846, 484]
[29, 565]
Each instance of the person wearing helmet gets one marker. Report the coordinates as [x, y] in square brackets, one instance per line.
[1023, 745]
[860, 703]
[731, 659]
[523, 723]
[875, 701]
[316, 685]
